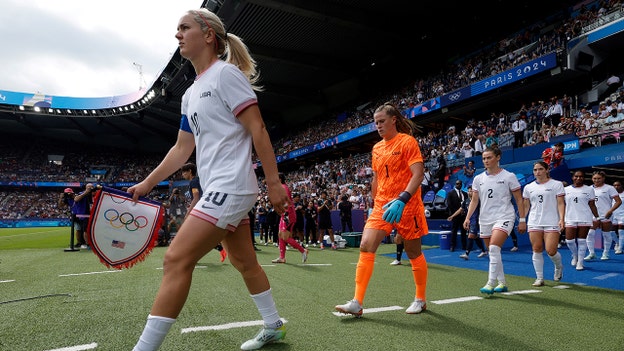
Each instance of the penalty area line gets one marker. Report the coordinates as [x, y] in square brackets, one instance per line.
[226, 326]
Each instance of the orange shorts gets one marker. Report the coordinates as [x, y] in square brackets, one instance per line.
[413, 224]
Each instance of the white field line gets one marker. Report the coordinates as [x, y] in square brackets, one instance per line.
[521, 292]
[606, 276]
[196, 267]
[78, 347]
[372, 310]
[7, 281]
[457, 299]
[31, 233]
[87, 273]
[226, 326]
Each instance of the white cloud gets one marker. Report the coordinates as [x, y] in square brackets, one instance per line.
[86, 48]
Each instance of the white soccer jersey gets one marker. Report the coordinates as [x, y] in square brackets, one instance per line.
[619, 212]
[223, 145]
[604, 198]
[543, 198]
[495, 196]
[577, 203]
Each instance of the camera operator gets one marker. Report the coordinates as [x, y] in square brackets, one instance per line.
[177, 204]
[79, 204]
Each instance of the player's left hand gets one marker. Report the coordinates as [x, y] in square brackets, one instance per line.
[394, 208]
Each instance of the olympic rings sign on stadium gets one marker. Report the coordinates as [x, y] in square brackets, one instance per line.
[125, 219]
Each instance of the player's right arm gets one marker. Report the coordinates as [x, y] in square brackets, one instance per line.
[175, 158]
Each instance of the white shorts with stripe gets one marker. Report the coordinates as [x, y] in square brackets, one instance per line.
[225, 211]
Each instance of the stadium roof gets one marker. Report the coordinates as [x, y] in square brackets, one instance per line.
[315, 58]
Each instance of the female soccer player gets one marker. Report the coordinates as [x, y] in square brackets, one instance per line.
[544, 197]
[618, 218]
[607, 200]
[580, 205]
[221, 121]
[286, 225]
[398, 171]
[493, 190]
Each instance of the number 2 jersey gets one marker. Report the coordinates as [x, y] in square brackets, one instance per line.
[495, 194]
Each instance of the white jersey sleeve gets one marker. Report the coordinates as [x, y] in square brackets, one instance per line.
[620, 210]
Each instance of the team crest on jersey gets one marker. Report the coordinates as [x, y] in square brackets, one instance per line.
[205, 94]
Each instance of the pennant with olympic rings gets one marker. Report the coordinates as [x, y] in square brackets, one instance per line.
[123, 232]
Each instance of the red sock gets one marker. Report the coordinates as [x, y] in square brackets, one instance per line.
[282, 248]
[295, 244]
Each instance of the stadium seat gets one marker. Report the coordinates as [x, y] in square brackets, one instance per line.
[428, 200]
[439, 203]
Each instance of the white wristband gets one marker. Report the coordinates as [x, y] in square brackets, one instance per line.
[522, 220]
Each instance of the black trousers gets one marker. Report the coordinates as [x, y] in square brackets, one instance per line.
[458, 225]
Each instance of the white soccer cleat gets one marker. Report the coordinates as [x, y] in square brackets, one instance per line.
[264, 336]
[351, 307]
[416, 307]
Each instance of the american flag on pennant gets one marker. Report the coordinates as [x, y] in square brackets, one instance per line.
[118, 244]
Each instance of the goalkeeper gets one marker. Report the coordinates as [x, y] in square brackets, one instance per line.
[398, 171]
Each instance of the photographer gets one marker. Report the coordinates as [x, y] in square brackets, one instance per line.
[79, 205]
[325, 206]
[177, 204]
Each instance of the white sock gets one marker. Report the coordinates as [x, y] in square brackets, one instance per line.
[538, 265]
[266, 306]
[582, 248]
[573, 248]
[496, 272]
[621, 239]
[154, 333]
[590, 241]
[556, 259]
[607, 238]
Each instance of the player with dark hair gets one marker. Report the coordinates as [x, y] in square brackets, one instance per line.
[493, 190]
[286, 225]
[544, 197]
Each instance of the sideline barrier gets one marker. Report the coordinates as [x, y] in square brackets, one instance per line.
[353, 238]
[440, 238]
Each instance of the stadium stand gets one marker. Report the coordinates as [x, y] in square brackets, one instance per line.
[25, 163]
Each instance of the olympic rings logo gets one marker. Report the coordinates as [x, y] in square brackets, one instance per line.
[455, 96]
[125, 219]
